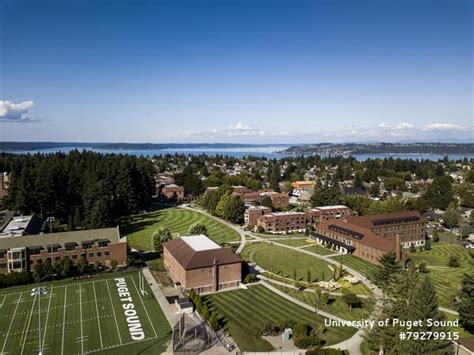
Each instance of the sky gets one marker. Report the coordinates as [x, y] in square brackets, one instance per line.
[236, 71]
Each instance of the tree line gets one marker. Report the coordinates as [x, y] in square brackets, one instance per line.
[82, 189]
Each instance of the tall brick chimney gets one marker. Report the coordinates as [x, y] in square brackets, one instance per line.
[399, 247]
[215, 276]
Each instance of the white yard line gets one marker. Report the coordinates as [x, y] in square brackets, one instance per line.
[141, 299]
[24, 335]
[64, 320]
[1, 305]
[113, 310]
[80, 306]
[117, 346]
[47, 315]
[11, 323]
[98, 319]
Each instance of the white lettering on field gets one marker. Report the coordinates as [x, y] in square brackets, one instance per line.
[133, 322]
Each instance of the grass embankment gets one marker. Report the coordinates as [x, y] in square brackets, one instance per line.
[139, 228]
[243, 313]
[445, 279]
[285, 262]
[335, 306]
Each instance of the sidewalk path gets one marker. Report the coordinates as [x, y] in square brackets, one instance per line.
[168, 309]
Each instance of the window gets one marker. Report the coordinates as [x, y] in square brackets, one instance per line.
[70, 246]
[99, 253]
[91, 255]
[3, 266]
[74, 257]
[103, 243]
[107, 253]
[57, 258]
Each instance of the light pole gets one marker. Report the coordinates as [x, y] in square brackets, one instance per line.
[40, 291]
[50, 220]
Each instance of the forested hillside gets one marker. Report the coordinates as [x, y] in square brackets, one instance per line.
[80, 188]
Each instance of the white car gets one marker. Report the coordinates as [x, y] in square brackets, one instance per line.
[469, 246]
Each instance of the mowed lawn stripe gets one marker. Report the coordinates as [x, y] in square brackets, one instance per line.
[72, 341]
[110, 335]
[90, 328]
[244, 311]
[52, 335]
[137, 297]
[139, 228]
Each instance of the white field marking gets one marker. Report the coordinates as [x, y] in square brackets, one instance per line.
[113, 310]
[3, 301]
[11, 322]
[80, 306]
[25, 334]
[47, 315]
[98, 319]
[141, 299]
[64, 320]
[117, 346]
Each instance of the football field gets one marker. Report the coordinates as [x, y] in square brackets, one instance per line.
[106, 314]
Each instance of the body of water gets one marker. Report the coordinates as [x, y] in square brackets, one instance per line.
[267, 152]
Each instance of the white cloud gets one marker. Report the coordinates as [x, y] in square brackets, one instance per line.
[12, 112]
[240, 127]
[442, 127]
[400, 126]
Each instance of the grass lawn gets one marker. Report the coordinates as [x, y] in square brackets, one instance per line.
[292, 242]
[445, 279]
[243, 312]
[284, 262]
[364, 267]
[139, 228]
[320, 250]
[336, 305]
[80, 317]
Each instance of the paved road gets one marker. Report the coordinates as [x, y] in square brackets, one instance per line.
[239, 230]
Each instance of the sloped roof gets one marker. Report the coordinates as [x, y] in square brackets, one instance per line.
[189, 258]
[372, 220]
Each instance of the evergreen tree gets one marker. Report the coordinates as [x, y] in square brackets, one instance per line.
[465, 305]
[275, 178]
[390, 268]
[451, 216]
[427, 245]
[213, 321]
[266, 201]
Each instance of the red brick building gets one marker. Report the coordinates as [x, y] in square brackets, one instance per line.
[357, 240]
[199, 263]
[409, 225]
[314, 215]
[24, 252]
[173, 192]
[283, 222]
[253, 214]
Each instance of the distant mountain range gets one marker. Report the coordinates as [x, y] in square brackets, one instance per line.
[381, 148]
[26, 146]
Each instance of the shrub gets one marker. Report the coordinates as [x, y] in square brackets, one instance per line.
[307, 341]
[453, 261]
[301, 329]
[325, 352]
[422, 268]
[250, 278]
[412, 248]
[260, 230]
[427, 245]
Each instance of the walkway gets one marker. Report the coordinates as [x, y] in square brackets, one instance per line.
[352, 344]
[239, 230]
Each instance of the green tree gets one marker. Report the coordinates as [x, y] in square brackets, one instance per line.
[350, 299]
[465, 304]
[390, 268]
[451, 216]
[427, 245]
[160, 236]
[213, 321]
[435, 235]
[82, 264]
[113, 264]
[198, 228]
[453, 261]
[440, 192]
[275, 178]
[412, 248]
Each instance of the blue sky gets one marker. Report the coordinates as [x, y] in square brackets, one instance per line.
[236, 71]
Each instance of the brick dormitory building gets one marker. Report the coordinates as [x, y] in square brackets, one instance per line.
[22, 253]
[199, 263]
